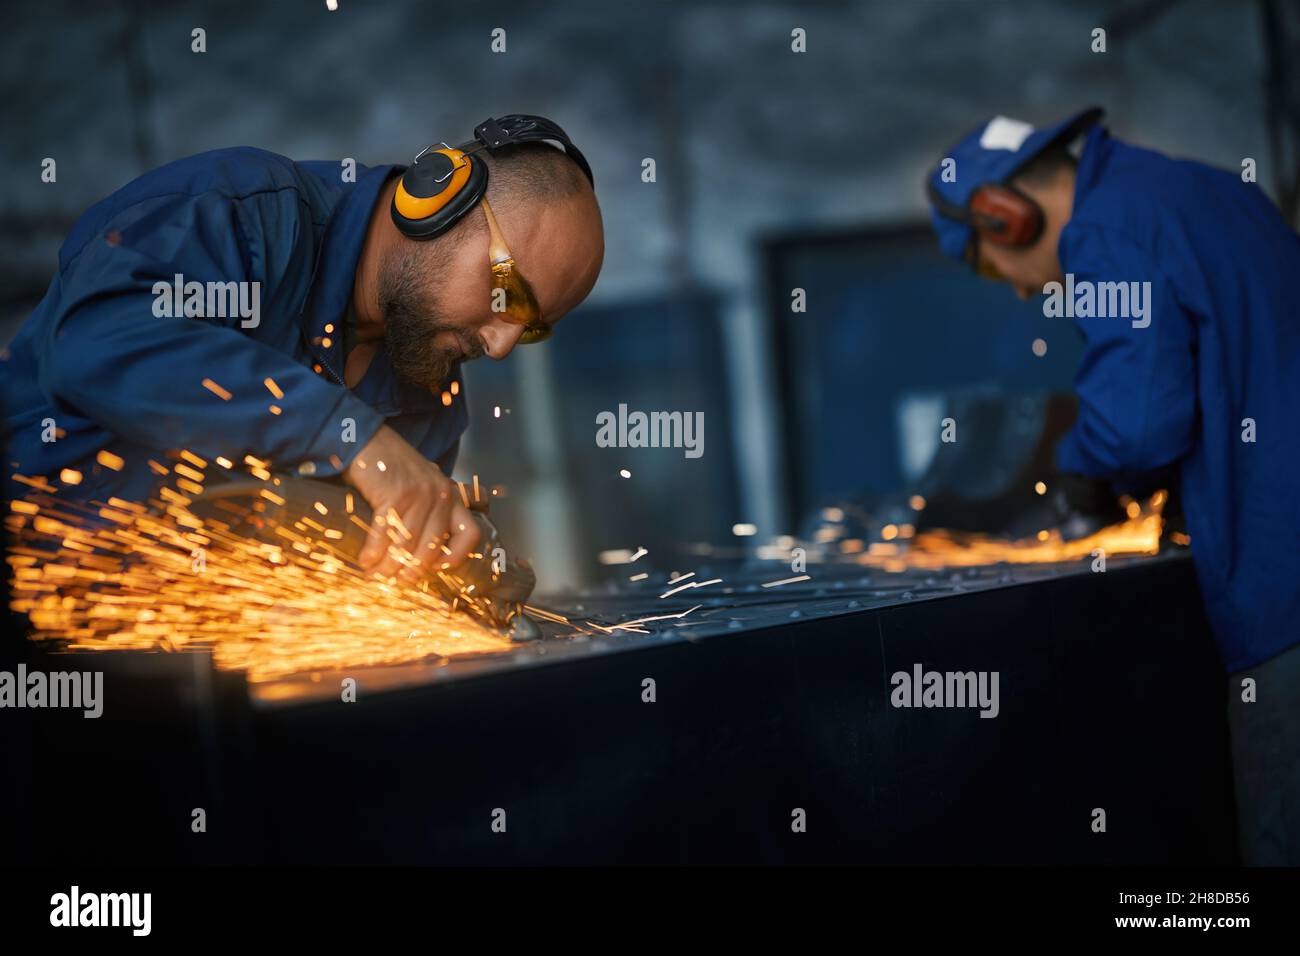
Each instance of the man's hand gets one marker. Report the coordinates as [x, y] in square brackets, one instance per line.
[434, 527]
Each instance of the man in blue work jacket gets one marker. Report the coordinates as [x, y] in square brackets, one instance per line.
[312, 315]
[1181, 279]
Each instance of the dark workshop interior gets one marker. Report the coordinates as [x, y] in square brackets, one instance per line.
[824, 539]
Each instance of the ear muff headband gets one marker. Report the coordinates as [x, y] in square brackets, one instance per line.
[523, 128]
[442, 185]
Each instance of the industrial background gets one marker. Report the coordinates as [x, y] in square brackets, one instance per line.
[775, 170]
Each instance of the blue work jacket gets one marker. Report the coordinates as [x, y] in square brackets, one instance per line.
[101, 367]
[1206, 383]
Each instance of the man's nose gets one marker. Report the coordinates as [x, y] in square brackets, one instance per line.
[499, 338]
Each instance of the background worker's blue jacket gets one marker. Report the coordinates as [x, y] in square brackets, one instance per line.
[1223, 346]
[95, 365]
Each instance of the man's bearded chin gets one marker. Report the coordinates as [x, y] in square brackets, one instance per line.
[411, 327]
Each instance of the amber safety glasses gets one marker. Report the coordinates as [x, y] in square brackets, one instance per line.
[519, 303]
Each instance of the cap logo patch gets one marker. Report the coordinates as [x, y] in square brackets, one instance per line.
[1005, 133]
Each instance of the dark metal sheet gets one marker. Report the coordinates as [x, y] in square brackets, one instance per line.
[1111, 697]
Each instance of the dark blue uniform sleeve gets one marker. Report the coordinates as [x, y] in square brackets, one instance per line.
[112, 359]
[1136, 385]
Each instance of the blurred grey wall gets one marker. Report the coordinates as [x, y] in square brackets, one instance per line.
[749, 137]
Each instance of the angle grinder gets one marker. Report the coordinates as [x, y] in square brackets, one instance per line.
[254, 509]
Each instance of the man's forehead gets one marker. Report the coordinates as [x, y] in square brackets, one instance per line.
[560, 250]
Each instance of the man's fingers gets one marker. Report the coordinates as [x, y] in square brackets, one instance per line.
[413, 534]
[389, 566]
[442, 505]
[375, 546]
[427, 552]
[465, 534]
[413, 530]
[431, 549]
[400, 535]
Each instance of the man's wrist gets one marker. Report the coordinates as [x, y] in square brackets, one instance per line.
[341, 440]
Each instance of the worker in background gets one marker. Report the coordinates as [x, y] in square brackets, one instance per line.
[312, 315]
[1181, 279]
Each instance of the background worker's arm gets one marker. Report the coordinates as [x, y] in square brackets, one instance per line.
[1136, 386]
[112, 360]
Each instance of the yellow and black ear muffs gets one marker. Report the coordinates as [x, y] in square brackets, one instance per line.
[437, 190]
[442, 185]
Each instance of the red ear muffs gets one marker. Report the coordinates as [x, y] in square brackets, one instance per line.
[1005, 216]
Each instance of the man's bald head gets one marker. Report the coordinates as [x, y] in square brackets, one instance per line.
[520, 176]
[532, 171]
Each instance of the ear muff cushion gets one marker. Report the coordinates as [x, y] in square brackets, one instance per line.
[1004, 216]
[423, 207]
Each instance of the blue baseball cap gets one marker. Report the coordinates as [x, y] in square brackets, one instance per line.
[993, 152]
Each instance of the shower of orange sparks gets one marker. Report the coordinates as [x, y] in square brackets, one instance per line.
[121, 575]
[1139, 533]
[124, 576]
